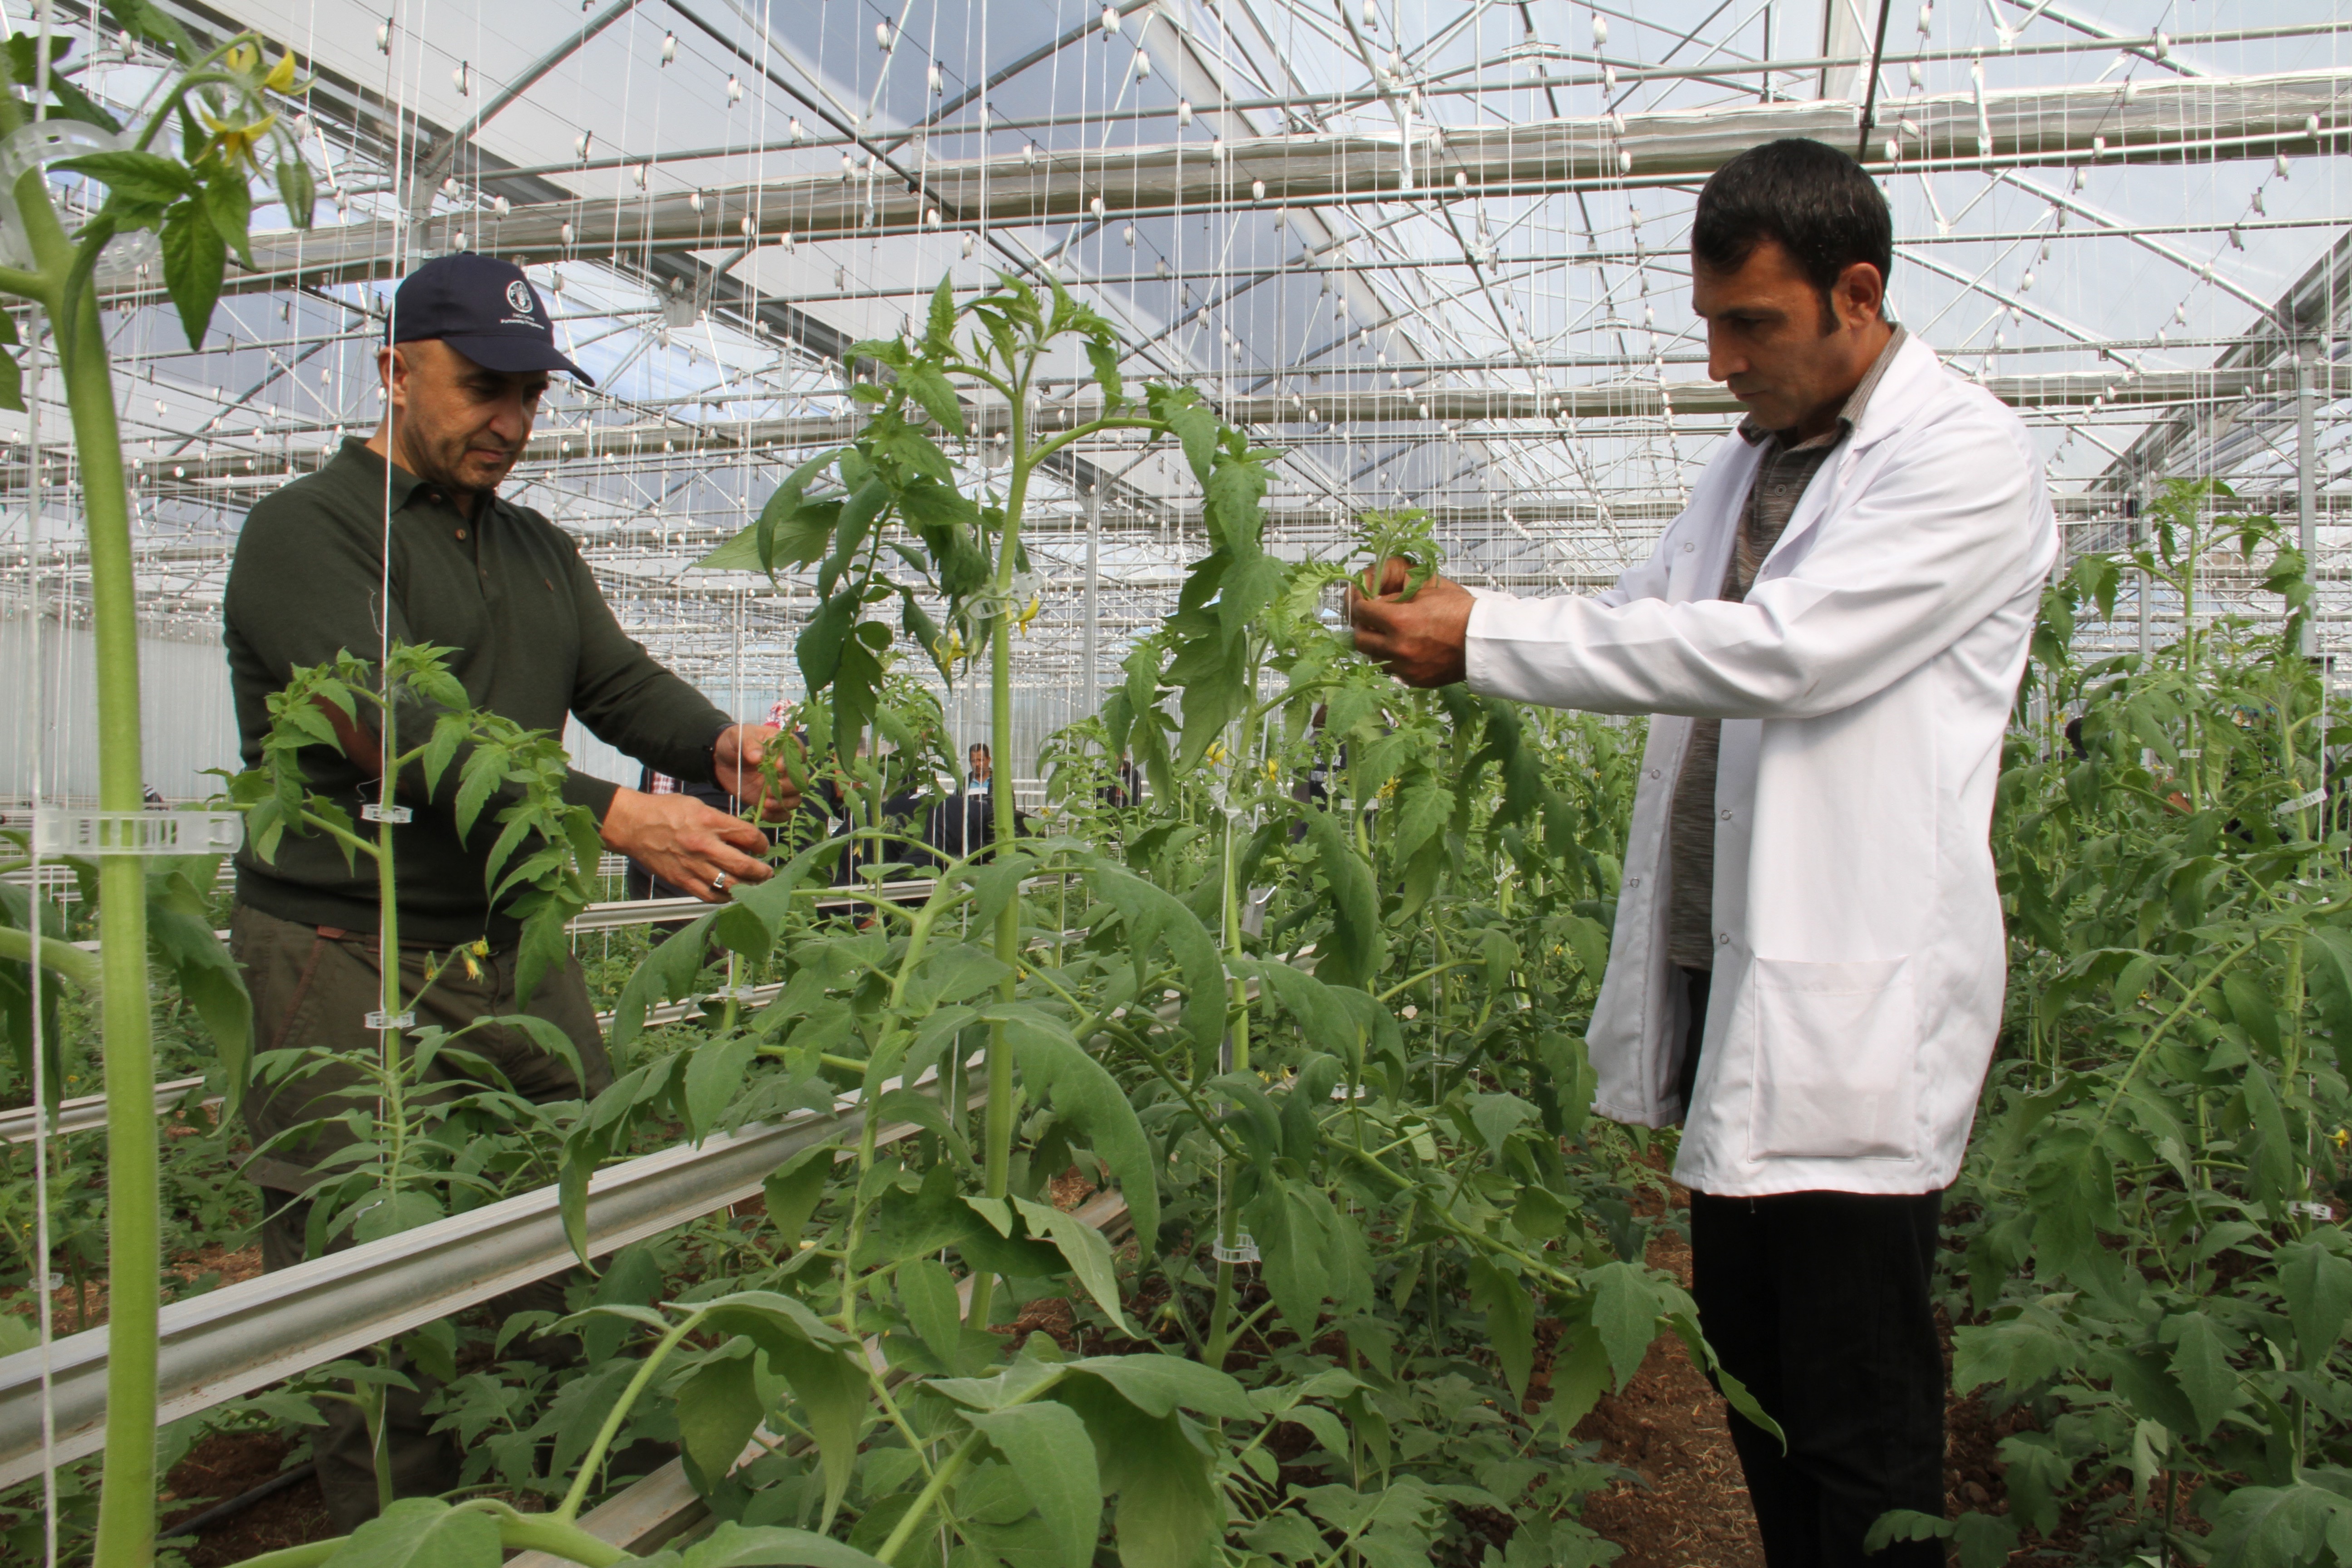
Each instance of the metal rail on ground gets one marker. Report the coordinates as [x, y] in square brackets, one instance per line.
[88, 1112]
[244, 1337]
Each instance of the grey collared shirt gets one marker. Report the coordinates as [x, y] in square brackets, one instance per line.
[1781, 475]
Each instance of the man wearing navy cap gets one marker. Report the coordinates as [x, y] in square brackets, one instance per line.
[404, 536]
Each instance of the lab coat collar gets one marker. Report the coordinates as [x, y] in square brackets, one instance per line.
[1901, 394]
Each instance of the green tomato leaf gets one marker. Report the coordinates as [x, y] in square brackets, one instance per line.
[298, 190]
[2201, 1366]
[1356, 942]
[211, 983]
[422, 1533]
[718, 1409]
[793, 1190]
[1624, 1314]
[832, 1390]
[732, 1545]
[195, 255]
[1510, 1322]
[1054, 1460]
[142, 177]
[928, 387]
[1289, 1220]
[927, 1294]
[228, 204]
[1057, 1072]
[142, 19]
[1087, 1254]
[713, 1079]
[2318, 1288]
[1160, 1384]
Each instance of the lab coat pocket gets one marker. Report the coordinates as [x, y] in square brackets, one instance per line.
[1837, 1060]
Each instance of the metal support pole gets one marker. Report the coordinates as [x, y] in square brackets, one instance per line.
[2307, 497]
[1093, 695]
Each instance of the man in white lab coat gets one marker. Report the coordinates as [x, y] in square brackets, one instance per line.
[1808, 966]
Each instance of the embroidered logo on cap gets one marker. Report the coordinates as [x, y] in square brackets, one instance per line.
[519, 296]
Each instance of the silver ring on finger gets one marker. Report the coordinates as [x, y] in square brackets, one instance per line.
[719, 883]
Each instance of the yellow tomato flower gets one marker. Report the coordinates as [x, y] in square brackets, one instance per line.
[281, 75]
[237, 142]
[243, 58]
[2340, 1137]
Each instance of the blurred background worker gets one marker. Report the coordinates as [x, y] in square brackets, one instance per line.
[403, 536]
[965, 823]
[1809, 962]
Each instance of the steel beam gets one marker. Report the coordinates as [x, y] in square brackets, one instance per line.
[2164, 121]
[580, 452]
[2310, 311]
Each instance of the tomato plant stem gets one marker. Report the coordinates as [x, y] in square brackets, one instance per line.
[126, 1520]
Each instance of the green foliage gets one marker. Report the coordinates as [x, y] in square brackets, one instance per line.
[1323, 982]
[2150, 1267]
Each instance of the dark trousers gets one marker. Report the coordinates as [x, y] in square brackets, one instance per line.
[1823, 1304]
[312, 990]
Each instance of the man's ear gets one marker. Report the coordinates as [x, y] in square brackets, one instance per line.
[392, 366]
[1860, 295]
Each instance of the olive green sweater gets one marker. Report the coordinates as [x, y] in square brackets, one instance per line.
[533, 640]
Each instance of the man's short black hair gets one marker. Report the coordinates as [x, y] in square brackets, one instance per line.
[1816, 201]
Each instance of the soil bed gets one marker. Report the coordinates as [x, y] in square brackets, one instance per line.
[226, 1465]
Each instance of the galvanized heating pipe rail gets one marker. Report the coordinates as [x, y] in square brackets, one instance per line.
[246, 1336]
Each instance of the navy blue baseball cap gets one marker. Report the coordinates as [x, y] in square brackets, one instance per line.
[485, 308]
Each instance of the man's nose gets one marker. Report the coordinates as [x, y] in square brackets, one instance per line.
[1722, 362]
[511, 421]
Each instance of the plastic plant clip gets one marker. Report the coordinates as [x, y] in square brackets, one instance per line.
[59, 832]
[38, 145]
[1243, 1250]
[395, 815]
[380, 1019]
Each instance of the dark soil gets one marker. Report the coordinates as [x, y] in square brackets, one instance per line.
[1689, 1507]
[72, 1311]
[226, 1465]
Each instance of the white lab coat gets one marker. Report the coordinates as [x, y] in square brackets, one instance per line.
[1864, 685]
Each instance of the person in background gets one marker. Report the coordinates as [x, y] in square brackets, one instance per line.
[1808, 964]
[1126, 786]
[404, 536]
[965, 823]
